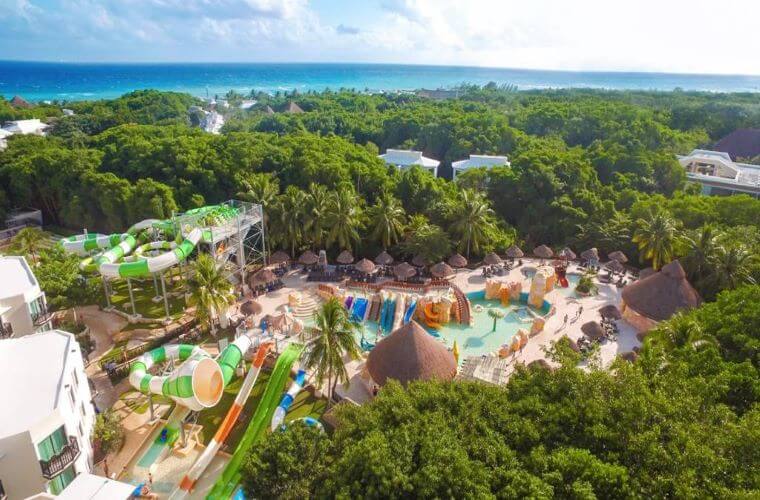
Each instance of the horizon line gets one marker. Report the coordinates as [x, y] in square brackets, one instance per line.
[360, 63]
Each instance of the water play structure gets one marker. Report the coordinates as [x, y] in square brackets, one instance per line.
[287, 399]
[228, 481]
[231, 232]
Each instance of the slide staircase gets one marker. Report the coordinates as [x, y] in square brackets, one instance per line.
[463, 305]
[306, 308]
[230, 477]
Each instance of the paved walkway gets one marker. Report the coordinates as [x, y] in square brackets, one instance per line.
[103, 326]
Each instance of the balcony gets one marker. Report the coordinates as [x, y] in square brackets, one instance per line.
[41, 318]
[6, 332]
[58, 462]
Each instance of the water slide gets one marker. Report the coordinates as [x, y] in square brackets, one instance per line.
[349, 301]
[383, 311]
[563, 282]
[410, 311]
[208, 454]
[145, 266]
[430, 317]
[227, 482]
[287, 400]
[389, 308]
[359, 310]
[398, 312]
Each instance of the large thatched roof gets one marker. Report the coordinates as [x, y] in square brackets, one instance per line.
[292, 107]
[457, 260]
[308, 258]
[514, 252]
[660, 295]
[384, 259]
[262, 277]
[410, 353]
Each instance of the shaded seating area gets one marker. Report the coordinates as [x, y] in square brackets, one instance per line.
[263, 281]
[597, 332]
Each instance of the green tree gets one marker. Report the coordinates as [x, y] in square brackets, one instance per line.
[472, 222]
[210, 291]
[425, 239]
[261, 189]
[387, 218]
[108, 431]
[732, 266]
[290, 219]
[657, 238]
[344, 219]
[29, 241]
[317, 214]
[331, 339]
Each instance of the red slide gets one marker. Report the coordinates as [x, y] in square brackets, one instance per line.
[563, 282]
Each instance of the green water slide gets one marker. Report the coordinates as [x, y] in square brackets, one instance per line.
[228, 481]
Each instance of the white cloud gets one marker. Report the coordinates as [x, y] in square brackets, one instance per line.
[651, 35]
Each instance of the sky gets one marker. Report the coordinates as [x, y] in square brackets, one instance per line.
[682, 36]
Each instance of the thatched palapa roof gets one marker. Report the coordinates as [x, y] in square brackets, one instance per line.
[345, 257]
[251, 307]
[408, 354]
[457, 260]
[404, 271]
[615, 266]
[365, 266]
[441, 270]
[610, 311]
[543, 251]
[618, 256]
[19, 102]
[492, 259]
[279, 257]
[262, 277]
[292, 107]
[567, 254]
[662, 294]
[308, 258]
[514, 252]
[590, 254]
[592, 330]
[384, 259]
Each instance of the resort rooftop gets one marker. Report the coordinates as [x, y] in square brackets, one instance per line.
[719, 174]
[17, 277]
[35, 365]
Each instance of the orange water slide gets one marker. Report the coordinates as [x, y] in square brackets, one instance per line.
[431, 318]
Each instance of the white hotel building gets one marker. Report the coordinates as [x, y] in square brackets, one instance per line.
[405, 158]
[477, 161]
[46, 417]
[23, 309]
[719, 175]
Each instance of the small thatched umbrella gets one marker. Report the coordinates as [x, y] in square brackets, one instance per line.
[566, 254]
[618, 256]
[457, 261]
[365, 266]
[404, 271]
[441, 270]
[262, 277]
[610, 311]
[491, 259]
[308, 258]
[384, 259]
[279, 322]
[543, 251]
[514, 252]
[630, 356]
[592, 254]
[419, 261]
[279, 257]
[615, 266]
[250, 307]
[593, 330]
[345, 258]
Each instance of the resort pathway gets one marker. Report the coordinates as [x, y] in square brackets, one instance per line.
[103, 326]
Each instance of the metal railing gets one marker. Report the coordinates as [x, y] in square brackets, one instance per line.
[58, 462]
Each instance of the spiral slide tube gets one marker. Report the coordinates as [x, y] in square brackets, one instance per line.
[147, 265]
[208, 454]
[287, 399]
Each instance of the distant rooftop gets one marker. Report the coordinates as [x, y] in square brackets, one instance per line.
[475, 161]
[34, 368]
[32, 126]
[17, 277]
[741, 143]
[407, 158]
[717, 168]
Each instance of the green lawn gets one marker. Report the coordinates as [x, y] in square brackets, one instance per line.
[304, 405]
[144, 292]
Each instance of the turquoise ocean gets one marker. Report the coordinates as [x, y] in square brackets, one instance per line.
[38, 81]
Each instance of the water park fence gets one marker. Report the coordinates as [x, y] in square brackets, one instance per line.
[119, 362]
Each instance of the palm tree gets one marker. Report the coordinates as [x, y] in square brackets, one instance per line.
[700, 249]
[290, 218]
[496, 314]
[732, 266]
[210, 291]
[29, 241]
[387, 220]
[332, 338]
[344, 219]
[318, 206]
[473, 222]
[657, 238]
[262, 189]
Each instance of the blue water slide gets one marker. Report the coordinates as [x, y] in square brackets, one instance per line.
[349, 300]
[383, 313]
[388, 324]
[410, 312]
[359, 310]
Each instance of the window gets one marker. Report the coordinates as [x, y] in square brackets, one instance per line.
[73, 397]
[83, 410]
[75, 379]
[57, 485]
